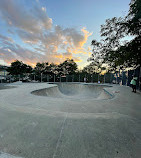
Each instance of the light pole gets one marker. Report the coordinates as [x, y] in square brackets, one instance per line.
[72, 78]
[104, 77]
[92, 78]
[34, 77]
[10, 78]
[60, 78]
[79, 77]
[54, 77]
[41, 77]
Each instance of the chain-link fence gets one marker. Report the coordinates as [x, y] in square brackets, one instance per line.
[84, 77]
[121, 77]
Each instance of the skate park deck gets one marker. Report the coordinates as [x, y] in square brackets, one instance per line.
[38, 120]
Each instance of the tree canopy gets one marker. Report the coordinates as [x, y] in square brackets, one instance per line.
[19, 68]
[68, 67]
[113, 49]
[64, 68]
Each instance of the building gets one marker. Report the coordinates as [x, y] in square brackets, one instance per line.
[3, 72]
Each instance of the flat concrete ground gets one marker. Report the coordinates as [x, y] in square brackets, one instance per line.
[41, 127]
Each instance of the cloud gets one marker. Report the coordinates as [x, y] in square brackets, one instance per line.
[31, 20]
[86, 35]
[73, 37]
[77, 59]
[9, 51]
[27, 37]
[4, 38]
[40, 40]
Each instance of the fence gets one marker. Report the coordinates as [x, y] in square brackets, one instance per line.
[123, 78]
[107, 78]
[91, 78]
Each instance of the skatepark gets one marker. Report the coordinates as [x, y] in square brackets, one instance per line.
[69, 120]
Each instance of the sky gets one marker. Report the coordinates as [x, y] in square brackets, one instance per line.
[53, 30]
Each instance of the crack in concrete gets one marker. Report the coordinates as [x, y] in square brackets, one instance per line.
[60, 136]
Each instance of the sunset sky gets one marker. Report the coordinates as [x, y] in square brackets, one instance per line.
[53, 30]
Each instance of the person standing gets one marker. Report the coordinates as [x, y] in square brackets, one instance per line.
[133, 83]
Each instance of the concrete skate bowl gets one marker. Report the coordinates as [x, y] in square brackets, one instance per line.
[75, 91]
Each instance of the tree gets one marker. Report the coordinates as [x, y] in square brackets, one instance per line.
[46, 68]
[94, 67]
[68, 67]
[104, 51]
[134, 28]
[54, 68]
[19, 68]
[40, 68]
[134, 18]
[115, 52]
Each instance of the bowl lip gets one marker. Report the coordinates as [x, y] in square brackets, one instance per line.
[105, 86]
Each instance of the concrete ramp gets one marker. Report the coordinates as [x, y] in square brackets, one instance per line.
[75, 90]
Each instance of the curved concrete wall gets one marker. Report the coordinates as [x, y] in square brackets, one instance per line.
[74, 90]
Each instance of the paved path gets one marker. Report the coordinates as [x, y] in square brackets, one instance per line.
[45, 127]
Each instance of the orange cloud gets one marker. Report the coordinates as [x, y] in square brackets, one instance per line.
[77, 59]
[86, 35]
[58, 56]
[79, 51]
[89, 53]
